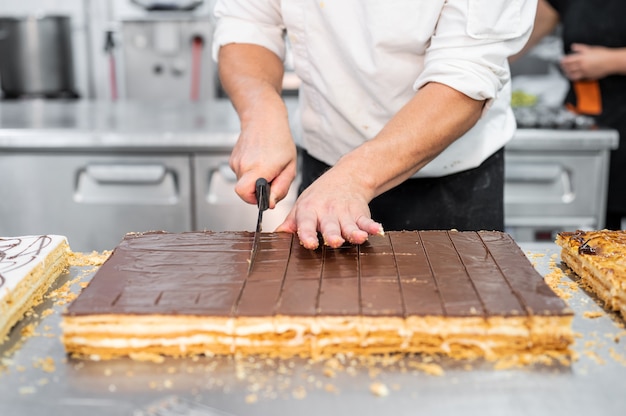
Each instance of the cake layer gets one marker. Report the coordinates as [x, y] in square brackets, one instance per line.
[457, 293]
[599, 259]
[28, 266]
[109, 336]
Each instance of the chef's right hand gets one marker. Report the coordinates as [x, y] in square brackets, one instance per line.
[265, 149]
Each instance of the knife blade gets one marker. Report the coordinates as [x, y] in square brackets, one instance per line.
[262, 192]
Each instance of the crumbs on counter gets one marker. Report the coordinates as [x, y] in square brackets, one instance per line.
[147, 357]
[593, 314]
[46, 364]
[617, 357]
[94, 258]
[379, 389]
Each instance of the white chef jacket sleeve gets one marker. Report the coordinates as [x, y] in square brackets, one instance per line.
[249, 21]
[472, 42]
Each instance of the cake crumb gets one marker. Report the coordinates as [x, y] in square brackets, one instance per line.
[619, 336]
[28, 330]
[299, 393]
[428, 368]
[47, 312]
[46, 364]
[593, 314]
[379, 389]
[331, 388]
[27, 390]
[594, 356]
[330, 373]
[146, 356]
[621, 359]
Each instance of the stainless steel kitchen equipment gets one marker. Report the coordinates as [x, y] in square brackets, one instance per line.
[556, 180]
[168, 4]
[94, 171]
[36, 57]
[168, 57]
[36, 376]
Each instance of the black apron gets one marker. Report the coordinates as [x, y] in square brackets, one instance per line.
[471, 200]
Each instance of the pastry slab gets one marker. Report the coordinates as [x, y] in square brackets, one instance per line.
[463, 294]
[599, 259]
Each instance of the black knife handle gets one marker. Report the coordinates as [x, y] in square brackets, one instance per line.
[262, 192]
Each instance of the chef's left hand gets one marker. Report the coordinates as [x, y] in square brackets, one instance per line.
[588, 62]
[336, 206]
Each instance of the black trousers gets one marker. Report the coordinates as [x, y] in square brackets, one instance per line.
[465, 201]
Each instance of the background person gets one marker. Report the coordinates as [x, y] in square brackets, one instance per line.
[594, 41]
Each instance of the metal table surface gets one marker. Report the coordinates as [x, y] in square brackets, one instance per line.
[125, 126]
[36, 377]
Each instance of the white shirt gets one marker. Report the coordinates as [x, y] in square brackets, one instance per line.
[360, 61]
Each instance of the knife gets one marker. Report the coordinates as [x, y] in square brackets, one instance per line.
[262, 192]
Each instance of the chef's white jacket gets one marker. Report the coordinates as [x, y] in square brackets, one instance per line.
[360, 61]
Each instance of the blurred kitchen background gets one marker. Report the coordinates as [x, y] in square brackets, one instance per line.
[112, 120]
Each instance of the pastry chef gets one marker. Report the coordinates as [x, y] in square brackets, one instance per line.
[404, 109]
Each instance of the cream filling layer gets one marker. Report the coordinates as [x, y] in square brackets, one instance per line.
[318, 332]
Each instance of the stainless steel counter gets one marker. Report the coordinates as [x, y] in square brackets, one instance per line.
[210, 125]
[37, 378]
[124, 126]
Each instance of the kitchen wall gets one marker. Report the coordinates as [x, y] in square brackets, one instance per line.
[90, 21]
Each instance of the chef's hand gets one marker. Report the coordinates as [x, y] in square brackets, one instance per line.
[335, 206]
[265, 149]
[590, 62]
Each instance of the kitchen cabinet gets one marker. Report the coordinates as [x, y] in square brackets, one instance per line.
[219, 208]
[556, 180]
[94, 199]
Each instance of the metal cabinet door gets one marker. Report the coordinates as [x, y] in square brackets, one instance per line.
[559, 189]
[94, 200]
[219, 208]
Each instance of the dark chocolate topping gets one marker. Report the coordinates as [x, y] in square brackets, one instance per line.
[400, 274]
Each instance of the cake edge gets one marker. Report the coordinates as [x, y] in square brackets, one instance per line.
[29, 292]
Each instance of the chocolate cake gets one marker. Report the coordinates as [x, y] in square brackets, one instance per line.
[464, 294]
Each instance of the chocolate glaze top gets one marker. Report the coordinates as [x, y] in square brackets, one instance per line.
[437, 273]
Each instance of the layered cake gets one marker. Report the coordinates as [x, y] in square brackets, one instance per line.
[28, 265]
[599, 259]
[463, 294]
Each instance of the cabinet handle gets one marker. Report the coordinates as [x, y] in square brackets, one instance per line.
[541, 175]
[120, 184]
[120, 173]
[227, 173]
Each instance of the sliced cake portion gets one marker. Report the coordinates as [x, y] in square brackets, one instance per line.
[28, 266]
[599, 259]
[463, 294]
